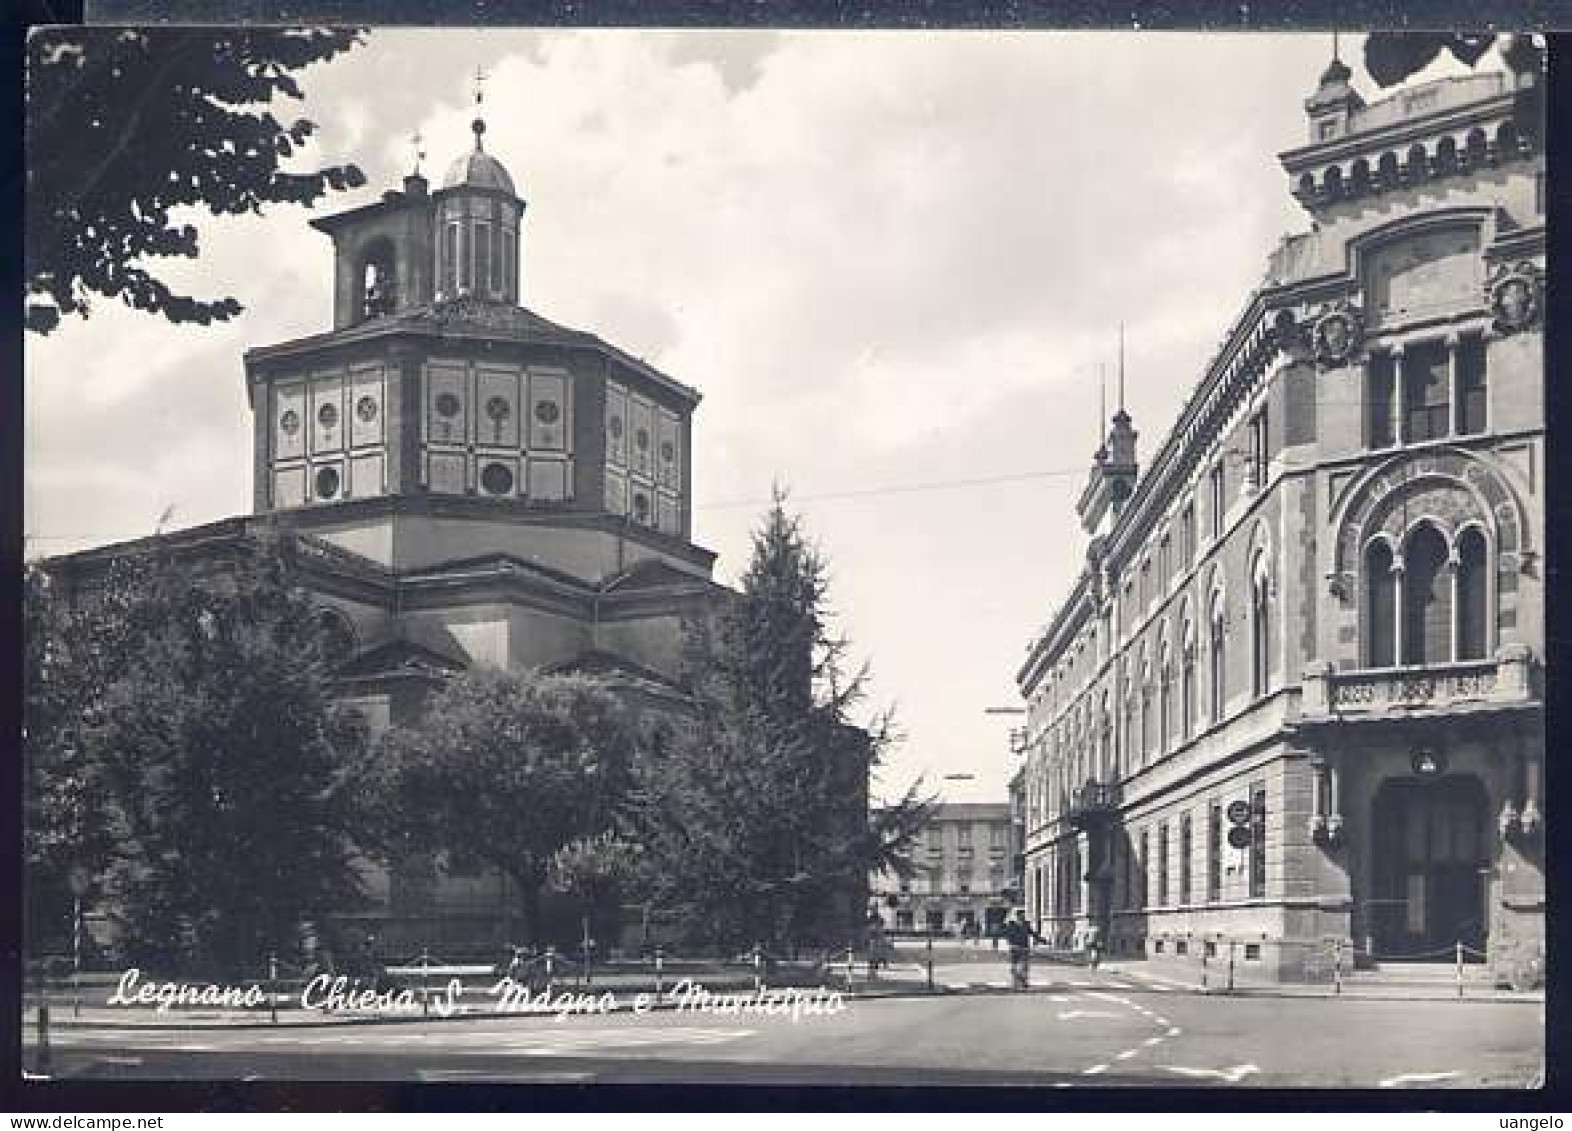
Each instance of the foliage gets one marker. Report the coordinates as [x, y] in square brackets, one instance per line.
[1392, 56]
[183, 751]
[754, 811]
[128, 124]
[504, 769]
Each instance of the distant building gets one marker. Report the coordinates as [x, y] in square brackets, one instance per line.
[963, 873]
[1295, 700]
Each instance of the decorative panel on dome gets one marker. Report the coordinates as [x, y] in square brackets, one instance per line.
[327, 414]
[616, 425]
[548, 416]
[499, 477]
[367, 476]
[1432, 273]
[641, 423]
[616, 493]
[668, 513]
[668, 455]
[548, 479]
[366, 406]
[497, 423]
[289, 487]
[446, 397]
[445, 472]
[641, 505]
[289, 421]
[327, 481]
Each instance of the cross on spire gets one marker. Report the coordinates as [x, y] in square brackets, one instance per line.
[416, 140]
[480, 85]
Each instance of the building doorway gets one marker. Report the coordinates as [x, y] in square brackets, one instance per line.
[1429, 869]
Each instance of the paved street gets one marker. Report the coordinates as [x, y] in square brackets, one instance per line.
[1075, 1028]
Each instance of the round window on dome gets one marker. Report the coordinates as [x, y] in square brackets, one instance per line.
[547, 412]
[289, 422]
[498, 409]
[327, 483]
[497, 479]
[641, 507]
[614, 426]
[366, 409]
[642, 439]
[327, 415]
[448, 405]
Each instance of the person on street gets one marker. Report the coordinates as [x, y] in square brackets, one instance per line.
[1018, 933]
[1094, 946]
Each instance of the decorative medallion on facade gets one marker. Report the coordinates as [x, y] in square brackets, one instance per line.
[1337, 333]
[289, 422]
[366, 409]
[1514, 293]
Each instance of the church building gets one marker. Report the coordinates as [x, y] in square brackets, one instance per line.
[1292, 710]
[466, 483]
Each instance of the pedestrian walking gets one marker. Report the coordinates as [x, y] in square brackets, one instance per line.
[1019, 934]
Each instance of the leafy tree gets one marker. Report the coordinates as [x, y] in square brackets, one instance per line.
[599, 871]
[504, 769]
[754, 812]
[206, 774]
[127, 124]
[1392, 56]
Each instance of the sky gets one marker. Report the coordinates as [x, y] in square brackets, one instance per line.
[893, 263]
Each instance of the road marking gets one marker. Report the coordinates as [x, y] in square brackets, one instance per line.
[1150, 1041]
[1233, 1075]
[1059, 998]
[121, 1059]
[1083, 985]
[1072, 1014]
[1094, 1070]
[1127, 1054]
[1174, 1030]
[1416, 1078]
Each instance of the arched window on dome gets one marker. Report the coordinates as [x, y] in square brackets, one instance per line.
[378, 279]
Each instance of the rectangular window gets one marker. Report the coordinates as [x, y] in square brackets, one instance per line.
[483, 258]
[1378, 401]
[1427, 395]
[1214, 482]
[1184, 858]
[450, 236]
[1162, 864]
[1214, 853]
[1471, 384]
[1141, 871]
[963, 835]
[1257, 840]
[510, 266]
[998, 836]
[1146, 583]
[466, 269]
[1260, 447]
[1164, 563]
[1187, 534]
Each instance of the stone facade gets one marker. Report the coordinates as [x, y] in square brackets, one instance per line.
[1292, 708]
[963, 859]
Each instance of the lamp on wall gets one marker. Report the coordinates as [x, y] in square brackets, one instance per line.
[1427, 763]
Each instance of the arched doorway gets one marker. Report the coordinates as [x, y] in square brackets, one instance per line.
[1431, 855]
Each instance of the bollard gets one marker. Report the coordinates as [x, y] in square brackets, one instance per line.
[758, 968]
[586, 949]
[425, 982]
[551, 966]
[1231, 947]
[930, 962]
[1337, 967]
[45, 1061]
[76, 957]
[272, 986]
[850, 963]
[1203, 964]
[1460, 969]
[660, 962]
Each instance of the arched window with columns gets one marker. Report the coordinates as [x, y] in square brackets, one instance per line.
[1187, 680]
[1380, 606]
[1216, 675]
[1146, 709]
[1260, 628]
[1165, 699]
[1427, 597]
[1473, 598]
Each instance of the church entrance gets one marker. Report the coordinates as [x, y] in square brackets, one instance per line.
[1431, 846]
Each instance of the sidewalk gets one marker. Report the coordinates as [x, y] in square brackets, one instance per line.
[1360, 986]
